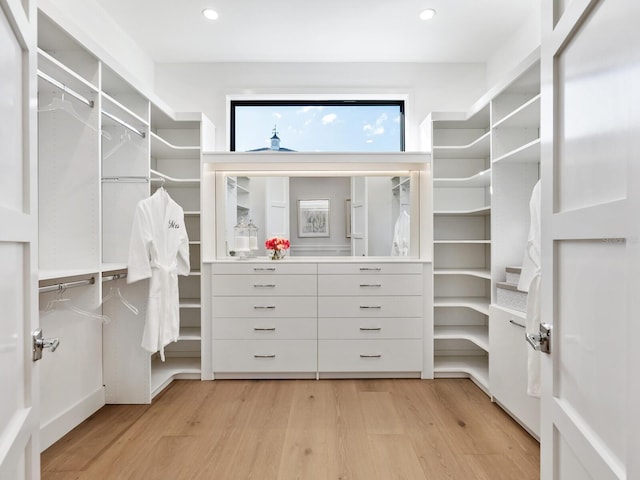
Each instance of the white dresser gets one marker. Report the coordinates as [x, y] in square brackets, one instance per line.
[323, 319]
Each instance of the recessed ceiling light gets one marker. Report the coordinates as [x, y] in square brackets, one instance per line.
[210, 14]
[427, 14]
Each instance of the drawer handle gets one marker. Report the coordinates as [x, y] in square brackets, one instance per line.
[264, 307]
[377, 307]
[370, 356]
[370, 284]
[517, 324]
[370, 269]
[265, 329]
[370, 329]
[268, 269]
[259, 285]
[270, 355]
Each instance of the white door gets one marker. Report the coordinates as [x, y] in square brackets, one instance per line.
[19, 423]
[359, 217]
[590, 234]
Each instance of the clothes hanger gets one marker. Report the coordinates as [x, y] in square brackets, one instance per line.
[117, 294]
[59, 302]
[125, 138]
[60, 103]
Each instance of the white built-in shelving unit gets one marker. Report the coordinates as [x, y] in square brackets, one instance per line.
[103, 143]
[485, 165]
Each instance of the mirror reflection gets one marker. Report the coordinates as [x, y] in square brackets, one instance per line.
[322, 216]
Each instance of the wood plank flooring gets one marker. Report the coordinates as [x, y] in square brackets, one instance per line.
[300, 429]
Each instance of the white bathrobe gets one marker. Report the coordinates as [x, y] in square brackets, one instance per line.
[530, 282]
[159, 250]
[401, 235]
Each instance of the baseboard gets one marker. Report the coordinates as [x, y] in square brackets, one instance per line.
[58, 427]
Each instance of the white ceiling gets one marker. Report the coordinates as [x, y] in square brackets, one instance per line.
[320, 30]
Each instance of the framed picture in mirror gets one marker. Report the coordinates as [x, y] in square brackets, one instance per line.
[313, 218]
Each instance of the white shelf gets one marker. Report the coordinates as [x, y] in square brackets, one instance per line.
[525, 116]
[192, 213]
[479, 335]
[49, 64]
[479, 304]
[474, 366]
[162, 149]
[471, 272]
[162, 373]
[190, 303]
[528, 153]
[462, 242]
[189, 334]
[476, 211]
[66, 273]
[480, 179]
[195, 273]
[479, 148]
[194, 242]
[117, 104]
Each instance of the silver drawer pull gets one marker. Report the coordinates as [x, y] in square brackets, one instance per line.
[370, 269]
[265, 329]
[259, 285]
[268, 269]
[370, 329]
[264, 307]
[377, 307]
[270, 355]
[370, 356]
[512, 322]
[370, 284]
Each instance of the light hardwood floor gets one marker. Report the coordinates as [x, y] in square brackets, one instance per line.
[300, 429]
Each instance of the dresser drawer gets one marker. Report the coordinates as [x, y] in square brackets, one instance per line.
[242, 356]
[370, 355]
[264, 285]
[370, 328]
[264, 268]
[266, 307]
[369, 268]
[369, 284]
[508, 366]
[264, 328]
[367, 306]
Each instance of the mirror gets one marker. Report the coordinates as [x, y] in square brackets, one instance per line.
[324, 215]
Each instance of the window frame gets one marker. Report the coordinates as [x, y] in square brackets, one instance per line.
[275, 102]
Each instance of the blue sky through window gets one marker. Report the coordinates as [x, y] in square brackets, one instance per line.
[320, 128]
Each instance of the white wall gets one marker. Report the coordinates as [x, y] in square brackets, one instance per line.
[205, 87]
[88, 23]
[525, 39]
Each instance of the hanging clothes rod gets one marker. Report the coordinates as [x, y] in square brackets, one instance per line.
[116, 276]
[126, 179]
[65, 89]
[124, 124]
[65, 285]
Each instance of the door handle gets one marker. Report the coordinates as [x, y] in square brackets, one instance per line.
[540, 342]
[40, 343]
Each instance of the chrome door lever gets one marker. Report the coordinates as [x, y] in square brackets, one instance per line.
[540, 342]
[40, 343]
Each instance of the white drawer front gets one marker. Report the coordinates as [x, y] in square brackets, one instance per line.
[369, 355]
[242, 356]
[267, 285]
[369, 268]
[264, 268]
[370, 328]
[367, 306]
[264, 328]
[370, 284]
[508, 367]
[266, 307]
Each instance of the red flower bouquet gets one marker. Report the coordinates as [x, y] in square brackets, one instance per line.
[278, 246]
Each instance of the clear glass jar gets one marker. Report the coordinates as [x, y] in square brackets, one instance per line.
[253, 239]
[241, 238]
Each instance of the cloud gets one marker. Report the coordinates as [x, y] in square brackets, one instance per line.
[369, 140]
[277, 115]
[329, 118]
[309, 108]
[397, 119]
[381, 119]
[371, 130]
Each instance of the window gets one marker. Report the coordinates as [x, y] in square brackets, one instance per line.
[317, 126]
